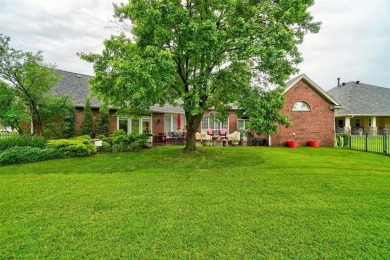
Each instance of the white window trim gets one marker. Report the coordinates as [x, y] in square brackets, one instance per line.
[301, 109]
[211, 125]
[172, 127]
[129, 123]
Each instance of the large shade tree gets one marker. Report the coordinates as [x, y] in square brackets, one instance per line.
[208, 54]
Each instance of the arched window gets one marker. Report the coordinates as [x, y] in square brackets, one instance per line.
[301, 106]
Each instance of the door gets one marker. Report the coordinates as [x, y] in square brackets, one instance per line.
[146, 127]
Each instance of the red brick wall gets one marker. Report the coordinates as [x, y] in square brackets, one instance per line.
[113, 121]
[232, 121]
[79, 119]
[317, 124]
[158, 123]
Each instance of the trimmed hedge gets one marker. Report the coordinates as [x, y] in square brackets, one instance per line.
[29, 154]
[21, 141]
[76, 147]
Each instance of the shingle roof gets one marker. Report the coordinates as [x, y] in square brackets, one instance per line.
[362, 99]
[76, 86]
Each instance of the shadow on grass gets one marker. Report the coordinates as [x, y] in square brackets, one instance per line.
[167, 158]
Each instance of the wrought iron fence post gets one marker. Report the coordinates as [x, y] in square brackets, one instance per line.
[366, 142]
[385, 143]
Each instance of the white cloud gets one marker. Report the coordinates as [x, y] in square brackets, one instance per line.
[353, 43]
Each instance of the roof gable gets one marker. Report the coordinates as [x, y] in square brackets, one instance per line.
[291, 83]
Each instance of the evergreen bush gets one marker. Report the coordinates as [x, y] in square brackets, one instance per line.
[122, 142]
[21, 141]
[103, 123]
[87, 123]
[76, 147]
[28, 154]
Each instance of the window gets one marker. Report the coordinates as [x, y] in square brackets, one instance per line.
[340, 123]
[357, 122]
[241, 126]
[301, 106]
[370, 122]
[170, 123]
[212, 123]
[135, 125]
[123, 125]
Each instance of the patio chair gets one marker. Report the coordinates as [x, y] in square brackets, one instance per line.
[222, 132]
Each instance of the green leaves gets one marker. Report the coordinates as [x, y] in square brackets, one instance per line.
[262, 107]
[12, 109]
[25, 75]
[207, 53]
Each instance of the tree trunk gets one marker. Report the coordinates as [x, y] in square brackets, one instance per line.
[193, 122]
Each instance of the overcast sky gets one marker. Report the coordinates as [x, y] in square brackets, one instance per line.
[353, 43]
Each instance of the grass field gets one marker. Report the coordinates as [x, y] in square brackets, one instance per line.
[226, 202]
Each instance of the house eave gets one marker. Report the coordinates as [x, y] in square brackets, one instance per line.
[363, 115]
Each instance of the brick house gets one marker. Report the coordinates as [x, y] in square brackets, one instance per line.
[310, 108]
[311, 111]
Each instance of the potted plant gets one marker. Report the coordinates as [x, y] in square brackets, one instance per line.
[292, 143]
[313, 143]
[234, 141]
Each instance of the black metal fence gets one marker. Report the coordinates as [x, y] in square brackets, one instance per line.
[368, 143]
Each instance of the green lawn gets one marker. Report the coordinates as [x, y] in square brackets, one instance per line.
[227, 202]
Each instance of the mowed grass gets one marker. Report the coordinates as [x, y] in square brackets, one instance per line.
[226, 202]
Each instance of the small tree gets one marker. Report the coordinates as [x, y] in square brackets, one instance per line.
[28, 77]
[87, 123]
[103, 123]
[59, 117]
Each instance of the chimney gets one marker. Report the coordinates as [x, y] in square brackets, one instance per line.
[357, 82]
[338, 82]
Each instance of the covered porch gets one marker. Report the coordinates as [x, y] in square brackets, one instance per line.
[361, 124]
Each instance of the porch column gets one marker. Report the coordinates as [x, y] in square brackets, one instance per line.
[347, 124]
[373, 128]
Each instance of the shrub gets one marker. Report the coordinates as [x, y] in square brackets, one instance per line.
[105, 139]
[59, 117]
[122, 142]
[106, 145]
[76, 147]
[21, 141]
[88, 121]
[27, 154]
[103, 122]
[342, 140]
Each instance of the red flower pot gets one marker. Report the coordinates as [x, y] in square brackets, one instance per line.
[292, 144]
[313, 143]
